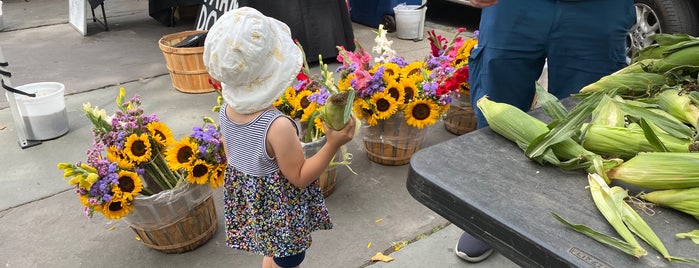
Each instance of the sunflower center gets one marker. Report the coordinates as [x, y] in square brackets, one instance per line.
[413, 72]
[393, 92]
[159, 134]
[409, 93]
[139, 148]
[383, 105]
[184, 154]
[305, 102]
[421, 111]
[115, 206]
[126, 184]
[389, 72]
[199, 170]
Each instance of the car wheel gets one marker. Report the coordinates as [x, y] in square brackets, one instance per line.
[660, 16]
[389, 23]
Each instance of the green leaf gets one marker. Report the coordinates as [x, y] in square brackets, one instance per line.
[551, 104]
[614, 242]
[348, 106]
[693, 235]
[651, 137]
[567, 128]
[672, 127]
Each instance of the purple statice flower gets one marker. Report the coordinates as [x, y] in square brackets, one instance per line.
[300, 85]
[376, 83]
[400, 61]
[430, 88]
[319, 96]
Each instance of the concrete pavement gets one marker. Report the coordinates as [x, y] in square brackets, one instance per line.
[42, 220]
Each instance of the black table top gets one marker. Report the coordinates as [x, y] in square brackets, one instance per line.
[484, 183]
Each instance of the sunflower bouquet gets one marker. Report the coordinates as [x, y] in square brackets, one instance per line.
[134, 154]
[452, 56]
[389, 85]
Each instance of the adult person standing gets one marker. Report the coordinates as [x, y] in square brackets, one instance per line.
[582, 40]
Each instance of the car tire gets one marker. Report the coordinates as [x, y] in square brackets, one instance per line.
[660, 16]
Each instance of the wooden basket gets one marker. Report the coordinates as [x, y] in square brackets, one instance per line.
[187, 234]
[460, 120]
[327, 181]
[186, 64]
[392, 141]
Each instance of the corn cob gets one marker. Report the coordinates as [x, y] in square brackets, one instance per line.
[659, 170]
[522, 128]
[685, 200]
[335, 112]
[627, 84]
[636, 67]
[626, 142]
[678, 105]
[686, 54]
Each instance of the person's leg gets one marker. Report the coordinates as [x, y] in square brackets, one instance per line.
[290, 261]
[510, 53]
[588, 42]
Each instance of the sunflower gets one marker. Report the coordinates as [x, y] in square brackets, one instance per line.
[138, 148]
[413, 69]
[396, 91]
[345, 83]
[318, 123]
[117, 208]
[218, 177]
[361, 108]
[129, 183]
[420, 113]
[409, 88]
[308, 111]
[285, 102]
[301, 102]
[385, 105]
[180, 154]
[161, 133]
[116, 156]
[391, 72]
[199, 173]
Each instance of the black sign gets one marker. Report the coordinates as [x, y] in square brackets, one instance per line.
[211, 10]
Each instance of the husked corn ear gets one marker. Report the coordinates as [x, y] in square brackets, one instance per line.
[685, 200]
[659, 170]
[678, 105]
[627, 84]
[626, 142]
[522, 128]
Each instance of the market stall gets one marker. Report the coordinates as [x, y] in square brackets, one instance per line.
[484, 183]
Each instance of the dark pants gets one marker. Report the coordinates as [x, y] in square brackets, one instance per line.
[581, 40]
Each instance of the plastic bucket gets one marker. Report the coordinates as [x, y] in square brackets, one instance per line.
[44, 116]
[410, 21]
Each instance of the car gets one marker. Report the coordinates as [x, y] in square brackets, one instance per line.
[661, 16]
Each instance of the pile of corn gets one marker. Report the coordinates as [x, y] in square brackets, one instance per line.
[637, 126]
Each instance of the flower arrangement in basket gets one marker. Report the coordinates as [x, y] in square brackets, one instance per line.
[135, 154]
[421, 90]
[460, 118]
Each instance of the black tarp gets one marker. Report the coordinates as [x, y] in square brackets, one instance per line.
[319, 25]
[164, 10]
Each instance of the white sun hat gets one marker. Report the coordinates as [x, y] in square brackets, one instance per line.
[254, 58]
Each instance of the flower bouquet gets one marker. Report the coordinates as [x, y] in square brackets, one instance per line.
[137, 171]
[460, 118]
[396, 99]
[307, 101]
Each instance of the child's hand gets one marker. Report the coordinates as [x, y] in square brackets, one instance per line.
[340, 137]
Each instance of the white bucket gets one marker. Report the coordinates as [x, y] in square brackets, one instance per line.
[410, 21]
[45, 115]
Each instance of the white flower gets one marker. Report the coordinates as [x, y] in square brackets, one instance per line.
[383, 46]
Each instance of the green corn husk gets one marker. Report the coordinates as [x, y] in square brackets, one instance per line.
[608, 203]
[337, 109]
[639, 66]
[685, 200]
[662, 46]
[659, 170]
[626, 142]
[522, 128]
[608, 113]
[678, 105]
[627, 84]
[686, 53]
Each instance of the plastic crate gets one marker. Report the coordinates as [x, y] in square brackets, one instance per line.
[374, 12]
